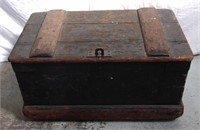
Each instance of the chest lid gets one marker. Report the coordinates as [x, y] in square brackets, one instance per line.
[143, 35]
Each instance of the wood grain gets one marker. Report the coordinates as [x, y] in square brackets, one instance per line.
[105, 113]
[46, 40]
[73, 35]
[152, 30]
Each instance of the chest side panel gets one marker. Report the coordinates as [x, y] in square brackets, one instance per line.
[102, 83]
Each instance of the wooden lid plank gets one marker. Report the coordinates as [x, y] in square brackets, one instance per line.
[45, 43]
[152, 31]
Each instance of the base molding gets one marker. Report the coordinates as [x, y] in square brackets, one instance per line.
[104, 112]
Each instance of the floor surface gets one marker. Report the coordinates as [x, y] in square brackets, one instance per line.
[11, 116]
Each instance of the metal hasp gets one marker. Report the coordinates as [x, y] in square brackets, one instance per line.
[99, 53]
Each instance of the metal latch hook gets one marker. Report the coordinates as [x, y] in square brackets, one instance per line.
[99, 52]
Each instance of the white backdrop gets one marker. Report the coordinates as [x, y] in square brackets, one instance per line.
[15, 13]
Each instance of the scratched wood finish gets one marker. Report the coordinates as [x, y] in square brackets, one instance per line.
[46, 40]
[104, 113]
[152, 30]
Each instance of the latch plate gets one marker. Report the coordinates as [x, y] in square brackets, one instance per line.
[99, 53]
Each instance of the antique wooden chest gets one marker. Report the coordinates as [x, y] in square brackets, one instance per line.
[102, 65]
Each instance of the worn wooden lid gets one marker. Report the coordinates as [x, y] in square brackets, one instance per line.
[143, 35]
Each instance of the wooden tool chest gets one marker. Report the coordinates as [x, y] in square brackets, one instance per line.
[102, 65]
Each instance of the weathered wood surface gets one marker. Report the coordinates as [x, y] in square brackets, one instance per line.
[152, 30]
[105, 113]
[84, 31]
[46, 40]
